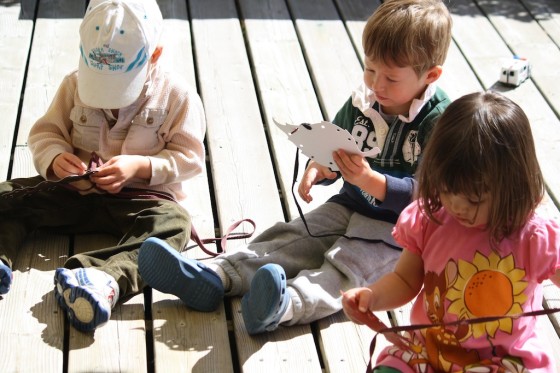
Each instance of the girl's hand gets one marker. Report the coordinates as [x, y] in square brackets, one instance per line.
[312, 175]
[352, 309]
[355, 303]
[354, 168]
[66, 164]
[120, 171]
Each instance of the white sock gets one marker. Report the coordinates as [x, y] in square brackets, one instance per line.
[289, 314]
[222, 275]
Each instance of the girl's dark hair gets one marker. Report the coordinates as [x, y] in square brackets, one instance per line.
[483, 144]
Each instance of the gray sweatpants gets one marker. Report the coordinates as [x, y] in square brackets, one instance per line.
[317, 268]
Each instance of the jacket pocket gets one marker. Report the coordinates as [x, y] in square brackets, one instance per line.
[143, 136]
[87, 123]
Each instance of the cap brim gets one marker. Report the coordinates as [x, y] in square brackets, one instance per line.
[110, 91]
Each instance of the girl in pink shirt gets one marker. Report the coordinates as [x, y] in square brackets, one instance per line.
[474, 247]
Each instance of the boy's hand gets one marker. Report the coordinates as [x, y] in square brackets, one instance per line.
[120, 171]
[66, 164]
[312, 175]
[354, 168]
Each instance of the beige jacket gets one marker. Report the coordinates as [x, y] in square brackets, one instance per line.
[166, 124]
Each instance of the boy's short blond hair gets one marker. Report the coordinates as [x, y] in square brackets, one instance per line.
[414, 33]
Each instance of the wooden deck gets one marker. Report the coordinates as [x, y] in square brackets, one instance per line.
[251, 61]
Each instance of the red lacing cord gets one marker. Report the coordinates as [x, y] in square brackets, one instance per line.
[230, 235]
[391, 333]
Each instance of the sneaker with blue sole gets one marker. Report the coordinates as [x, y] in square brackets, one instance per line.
[267, 300]
[6, 278]
[87, 295]
[163, 268]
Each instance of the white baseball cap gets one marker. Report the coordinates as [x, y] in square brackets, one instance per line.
[117, 39]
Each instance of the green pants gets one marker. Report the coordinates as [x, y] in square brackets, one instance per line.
[66, 211]
[384, 369]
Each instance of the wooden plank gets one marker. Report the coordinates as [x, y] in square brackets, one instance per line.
[185, 340]
[525, 37]
[552, 300]
[49, 62]
[189, 341]
[46, 251]
[178, 60]
[30, 319]
[551, 337]
[347, 345]
[285, 350]
[54, 53]
[330, 54]
[457, 78]
[547, 13]
[177, 56]
[15, 34]
[355, 15]
[285, 90]
[240, 164]
[239, 157]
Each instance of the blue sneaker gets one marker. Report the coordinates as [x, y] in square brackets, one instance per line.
[87, 295]
[6, 277]
[164, 269]
[267, 301]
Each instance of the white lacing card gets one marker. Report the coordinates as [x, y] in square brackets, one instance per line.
[318, 141]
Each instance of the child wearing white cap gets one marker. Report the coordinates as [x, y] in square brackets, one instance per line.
[141, 133]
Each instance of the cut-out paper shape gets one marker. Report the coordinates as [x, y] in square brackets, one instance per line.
[318, 141]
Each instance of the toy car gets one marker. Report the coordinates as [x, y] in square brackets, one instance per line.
[515, 71]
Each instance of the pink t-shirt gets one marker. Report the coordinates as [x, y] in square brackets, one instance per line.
[465, 279]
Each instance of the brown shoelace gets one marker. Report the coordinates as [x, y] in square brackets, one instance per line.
[94, 163]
